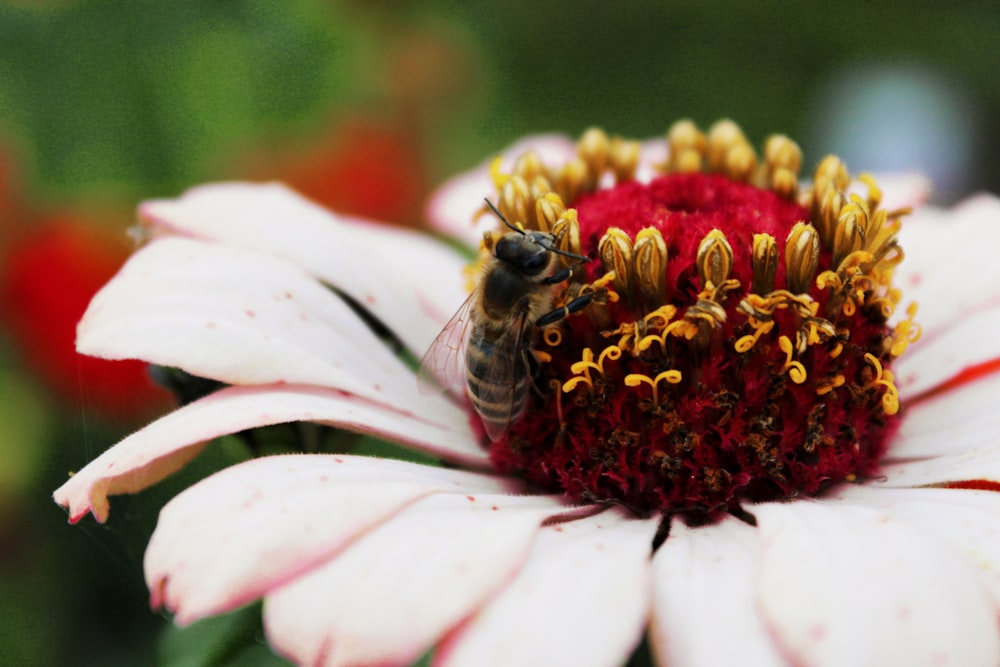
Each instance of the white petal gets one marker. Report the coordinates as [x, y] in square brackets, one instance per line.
[963, 417]
[982, 463]
[965, 519]
[239, 317]
[950, 267]
[453, 207]
[394, 592]
[705, 609]
[851, 586]
[166, 445]
[409, 281]
[901, 190]
[236, 535]
[581, 599]
[942, 354]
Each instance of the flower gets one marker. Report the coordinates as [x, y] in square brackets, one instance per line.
[47, 277]
[374, 561]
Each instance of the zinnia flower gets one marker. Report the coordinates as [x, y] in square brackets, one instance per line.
[734, 443]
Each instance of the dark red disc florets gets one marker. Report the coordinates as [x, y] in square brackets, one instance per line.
[718, 378]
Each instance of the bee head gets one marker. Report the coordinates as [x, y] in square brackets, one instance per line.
[530, 252]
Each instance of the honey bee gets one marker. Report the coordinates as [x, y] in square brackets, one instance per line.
[497, 326]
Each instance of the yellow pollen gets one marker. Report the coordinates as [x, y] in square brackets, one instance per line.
[827, 387]
[796, 371]
[582, 368]
[884, 377]
[636, 379]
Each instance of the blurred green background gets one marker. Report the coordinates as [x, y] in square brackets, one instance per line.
[365, 106]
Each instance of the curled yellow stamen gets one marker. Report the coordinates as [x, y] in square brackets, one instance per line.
[884, 377]
[746, 343]
[583, 367]
[552, 336]
[636, 379]
[906, 332]
[796, 371]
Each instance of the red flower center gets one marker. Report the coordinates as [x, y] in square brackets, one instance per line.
[740, 354]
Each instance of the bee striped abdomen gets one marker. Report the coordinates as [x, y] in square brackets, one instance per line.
[498, 397]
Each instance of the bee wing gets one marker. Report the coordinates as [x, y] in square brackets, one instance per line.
[505, 368]
[442, 368]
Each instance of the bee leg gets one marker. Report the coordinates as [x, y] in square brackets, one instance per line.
[559, 276]
[559, 314]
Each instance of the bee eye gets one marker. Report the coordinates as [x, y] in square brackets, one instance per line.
[533, 264]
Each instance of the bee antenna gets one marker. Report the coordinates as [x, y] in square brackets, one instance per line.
[503, 219]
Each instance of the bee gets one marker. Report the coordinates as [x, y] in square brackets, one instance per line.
[497, 327]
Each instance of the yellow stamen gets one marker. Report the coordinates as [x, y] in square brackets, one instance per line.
[884, 377]
[906, 332]
[583, 368]
[636, 379]
[796, 371]
[552, 336]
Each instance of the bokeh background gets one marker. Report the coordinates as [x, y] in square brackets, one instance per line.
[365, 106]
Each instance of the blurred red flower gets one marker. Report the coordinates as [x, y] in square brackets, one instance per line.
[48, 276]
[367, 167]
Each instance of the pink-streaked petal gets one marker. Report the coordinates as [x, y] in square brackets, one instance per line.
[239, 317]
[409, 281]
[453, 207]
[950, 269]
[944, 353]
[964, 417]
[705, 609]
[981, 463]
[235, 536]
[855, 586]
[964, 519]
[163, 447]
[581, 599]
[388, 597]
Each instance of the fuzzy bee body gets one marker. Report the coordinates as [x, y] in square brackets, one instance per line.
[485, 350]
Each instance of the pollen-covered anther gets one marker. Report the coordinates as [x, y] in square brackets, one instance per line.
[624, 157]
[730, 153]
[783, 159]
[801, 257]
[516, 203]
[567, 232]
[548, 209]
[529, 166]
[573, 179]
[582, 369]
[650, 257]
[615, 250]
[714, 260]
[687, 145]
[764, 261]
[594, 149]
[832, 168]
